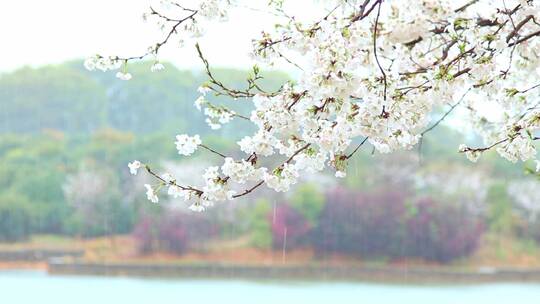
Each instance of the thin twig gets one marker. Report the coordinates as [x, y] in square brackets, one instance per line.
[164, 41]
[224, 89]
[465, 6]
[445, 114]
[172, 183]
[375, 47]
[260, 183]
[213, 151]
[357, 147]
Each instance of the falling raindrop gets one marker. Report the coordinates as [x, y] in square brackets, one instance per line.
[274, 215]
[283, 253]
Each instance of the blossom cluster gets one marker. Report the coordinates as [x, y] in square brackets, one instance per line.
[216, 115]
[187, 145]
[373, 71]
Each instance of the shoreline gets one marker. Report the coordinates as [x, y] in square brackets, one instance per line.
[76, 262]
[24, 266]
[375, 274]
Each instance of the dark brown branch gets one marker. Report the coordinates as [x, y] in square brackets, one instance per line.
[518, 27]
[268, 43]
[213, 151]
[529, 89]
[375, 47]
[224, 90]
[172, 183]
[248, 191]
[164, 41]
[357, 147]
[241, 116]
[445, 114]
[486, 148]
[154, 12]
[288, 60]
[362, 9]
[182, 7]
[465, 6]
[296, 98]
[296, 153]
[525, 38]
[509, 15]
[461, 72]
[260, 183]
[363, 13]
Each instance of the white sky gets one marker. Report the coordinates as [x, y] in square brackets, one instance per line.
[38, 32]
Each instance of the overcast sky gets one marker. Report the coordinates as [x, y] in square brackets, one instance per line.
[38, 32]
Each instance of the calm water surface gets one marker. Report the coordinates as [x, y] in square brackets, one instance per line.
[32, 287]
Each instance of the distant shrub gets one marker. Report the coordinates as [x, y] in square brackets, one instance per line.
[15, 218]
[98, 208]
[309, 201]
[173, 232]
[500, 217]
[146, 235]
[385, 224]
[260, 230]
[361, 224]
[525, 199]
[441, 232]
[289, 227]
[529, 229]
[182, 231]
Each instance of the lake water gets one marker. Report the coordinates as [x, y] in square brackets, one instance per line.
[32, 287]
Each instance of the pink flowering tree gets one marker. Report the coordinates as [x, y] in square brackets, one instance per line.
[368, 71]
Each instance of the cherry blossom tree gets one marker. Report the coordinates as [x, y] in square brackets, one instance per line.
[369, 71]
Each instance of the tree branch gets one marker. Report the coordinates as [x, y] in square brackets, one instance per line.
[213, 151]
[357, 147]
[379, 2]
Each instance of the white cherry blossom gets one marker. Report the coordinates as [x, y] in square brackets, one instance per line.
[151, 194]
[187, 145]
[156, 67]
[282, 179]
[123, 75]
[241, 172]
[134, 167]
[196, 208]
